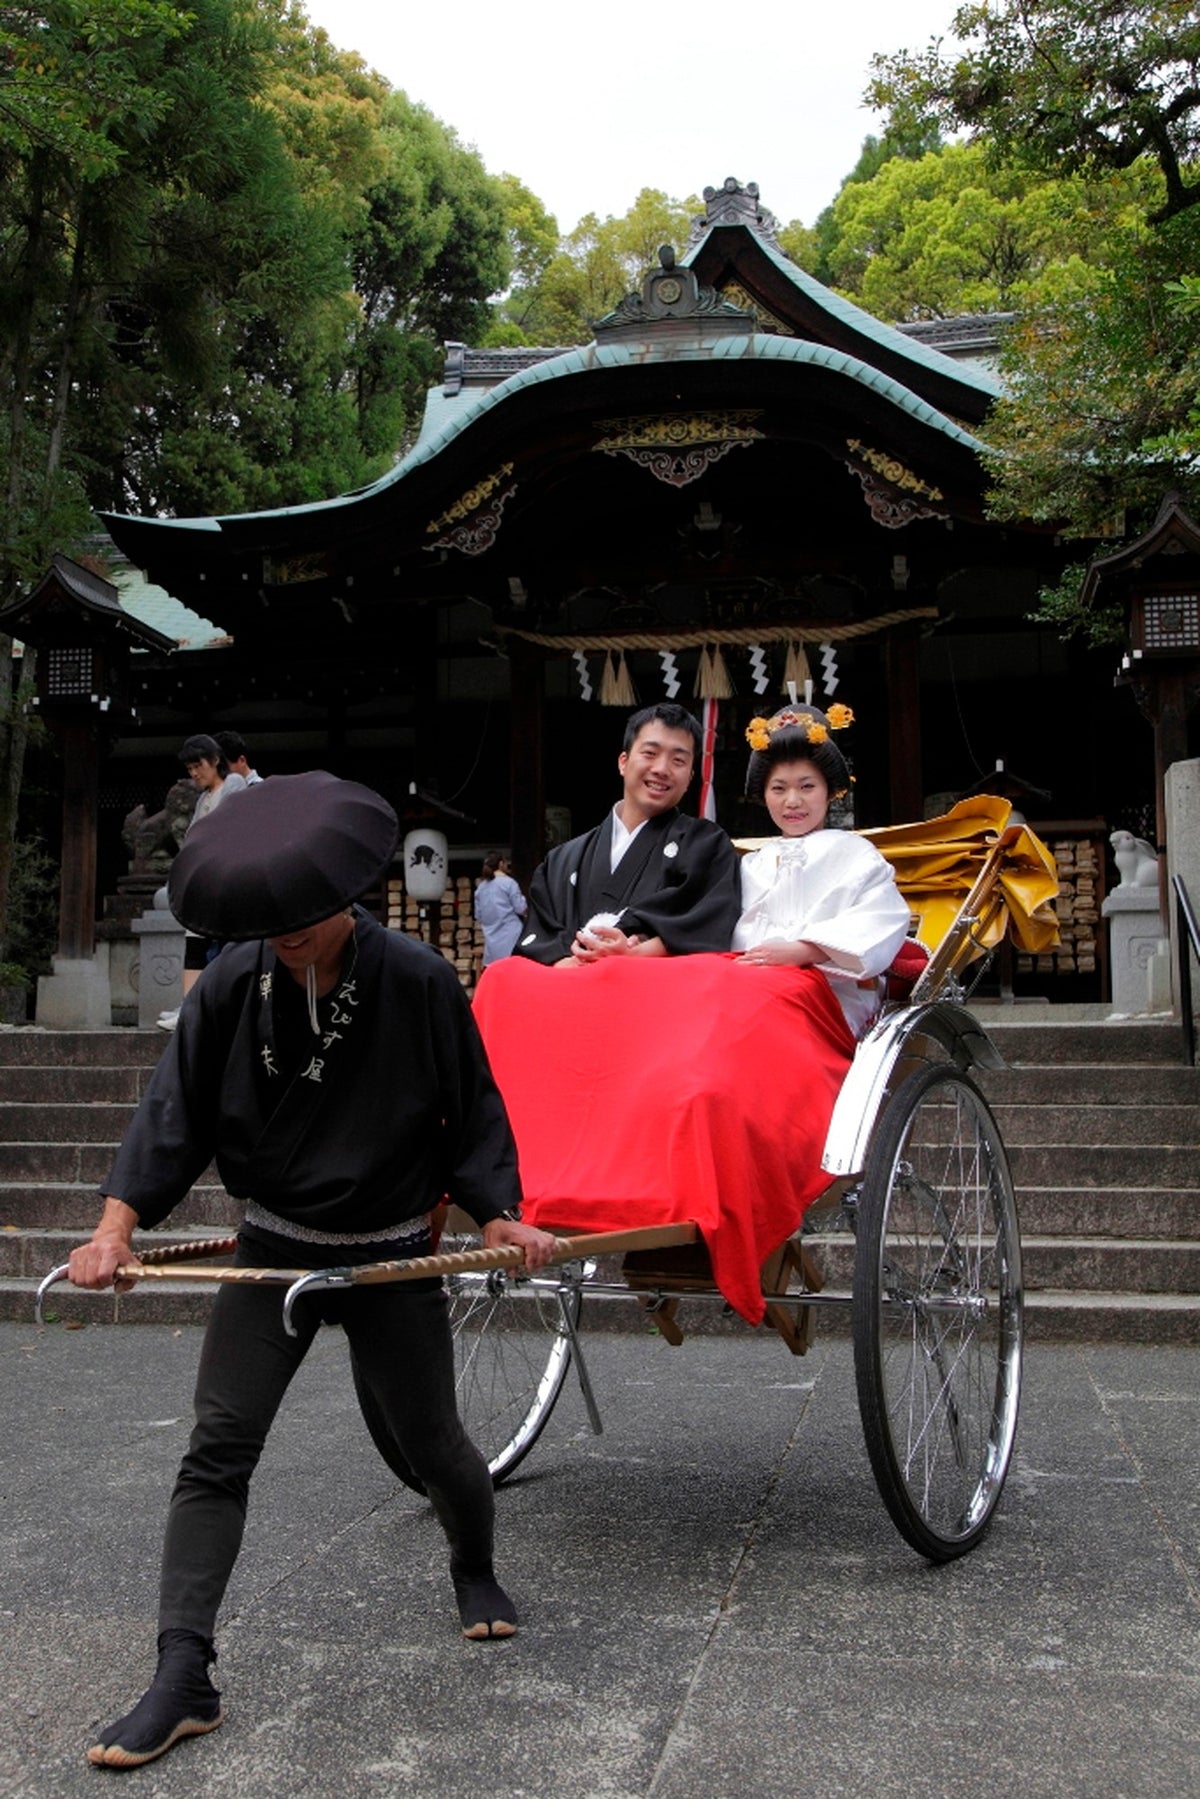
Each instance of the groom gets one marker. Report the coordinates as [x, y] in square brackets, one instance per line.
[647, 881]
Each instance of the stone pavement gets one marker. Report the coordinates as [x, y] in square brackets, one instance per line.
[714, 1601]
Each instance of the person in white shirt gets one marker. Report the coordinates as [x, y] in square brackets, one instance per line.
[233, 747]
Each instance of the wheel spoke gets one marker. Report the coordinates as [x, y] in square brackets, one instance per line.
[937, 1312]
[511, 1356]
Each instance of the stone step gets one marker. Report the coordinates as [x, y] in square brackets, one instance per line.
[1072, 1264]
[86, 1120]
[37, 1084]
[1115, 1083]
[84, 1163]
[151, 1302]
[1110, 1265]
[113, 1065]
[1076, 1165]
[1058, 1317]
[68, 1206]
[1152, 1265]
[33, 1253]
[22, 1045]
[1021, 1041]
[1104, 1126]
[1110, 1211]
[97, 1123]
[1102, 1121]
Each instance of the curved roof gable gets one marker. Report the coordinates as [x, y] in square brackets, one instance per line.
[447, 421]
[735, 246]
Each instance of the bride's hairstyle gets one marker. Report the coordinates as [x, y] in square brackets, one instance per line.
[797, 734]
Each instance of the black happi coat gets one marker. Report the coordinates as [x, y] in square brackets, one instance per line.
[369, 1124]
[678, 880]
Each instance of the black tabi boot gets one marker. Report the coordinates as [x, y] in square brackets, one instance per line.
[484, 1607]
[181, 1701]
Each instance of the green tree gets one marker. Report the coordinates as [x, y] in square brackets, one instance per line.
[154, 221]
[76, 81]
[1102, 371]
[1064, 86]
[1099, 418]
[261, 410]
[954, 233]
[810, 247]
[229, 254]
[596, 265]
[433, 248]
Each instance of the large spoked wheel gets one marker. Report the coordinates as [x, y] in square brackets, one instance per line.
[511, 1353]
[938, 1312]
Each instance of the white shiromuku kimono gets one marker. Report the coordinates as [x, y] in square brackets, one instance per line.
[833, 889]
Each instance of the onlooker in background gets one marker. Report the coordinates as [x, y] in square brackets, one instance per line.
[237, 755]
[500, 907]
[209, 770]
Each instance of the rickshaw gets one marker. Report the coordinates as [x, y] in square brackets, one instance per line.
[919, 1190]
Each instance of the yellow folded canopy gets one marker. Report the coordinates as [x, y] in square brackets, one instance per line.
[937, 863]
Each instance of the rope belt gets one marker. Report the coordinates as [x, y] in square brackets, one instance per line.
[258, 1217]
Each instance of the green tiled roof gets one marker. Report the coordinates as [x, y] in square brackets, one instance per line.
[886, 336]
[155, 606]
[447, 419]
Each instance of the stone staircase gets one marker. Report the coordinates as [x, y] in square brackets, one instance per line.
[65, 1099]
[1101, 1121]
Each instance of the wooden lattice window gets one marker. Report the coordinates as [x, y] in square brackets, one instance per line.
[1172, 621]
[69, 674]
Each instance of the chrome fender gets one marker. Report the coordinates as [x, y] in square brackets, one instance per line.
[856, 1110]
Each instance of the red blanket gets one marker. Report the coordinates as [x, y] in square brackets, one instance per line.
[653, 1091]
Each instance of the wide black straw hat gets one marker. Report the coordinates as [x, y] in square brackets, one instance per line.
[284, 854]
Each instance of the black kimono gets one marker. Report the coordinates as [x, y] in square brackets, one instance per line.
[349, 1133]
[340, 1143]
[677, 880]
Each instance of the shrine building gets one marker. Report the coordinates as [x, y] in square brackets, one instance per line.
[744, 476]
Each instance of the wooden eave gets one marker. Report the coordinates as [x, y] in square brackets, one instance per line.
[1161, 554]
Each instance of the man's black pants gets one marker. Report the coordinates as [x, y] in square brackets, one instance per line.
[400, 1338]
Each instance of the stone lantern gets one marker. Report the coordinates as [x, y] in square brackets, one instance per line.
[85, 641]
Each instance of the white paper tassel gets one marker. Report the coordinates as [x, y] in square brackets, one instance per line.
[829, 674]
[585, 679]
[670, 672]
[758, 667]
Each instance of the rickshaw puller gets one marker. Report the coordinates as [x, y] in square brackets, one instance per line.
[333, 1071]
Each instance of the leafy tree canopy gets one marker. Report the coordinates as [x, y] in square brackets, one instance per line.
[1102, 408]
[909, 139]
[1101, 414]
[68, 81]
[594, 267]
[228, 252]
[952, 233]
[1069, 86]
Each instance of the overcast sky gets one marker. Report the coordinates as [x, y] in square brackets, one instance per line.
[588, 105]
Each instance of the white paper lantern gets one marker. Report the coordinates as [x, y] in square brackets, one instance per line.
[426, 863]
